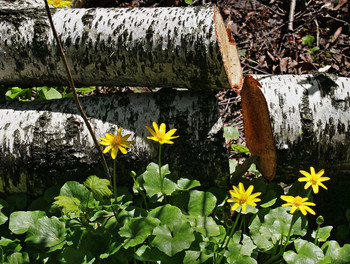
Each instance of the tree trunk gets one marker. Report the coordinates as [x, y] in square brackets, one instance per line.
[155, 47]
[46, 142]
[310, 116]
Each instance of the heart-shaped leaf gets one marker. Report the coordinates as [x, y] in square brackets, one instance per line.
[201, 203]
[47, 233]
[20, 221]
[306, 252]
[137, 230]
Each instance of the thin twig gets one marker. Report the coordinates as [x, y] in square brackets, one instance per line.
[291, 14]
[75, 95]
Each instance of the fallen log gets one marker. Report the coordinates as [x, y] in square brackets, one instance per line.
[310, 117]
[46, 142]
[155, 47]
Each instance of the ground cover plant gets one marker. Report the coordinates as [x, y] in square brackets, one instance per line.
[167, 220]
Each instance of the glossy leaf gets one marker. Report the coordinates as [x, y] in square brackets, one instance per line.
[71, 255]
[99, 187]
[137, 230]
[152, 182]
[47, 233]
[175, 233]
[205, 225]
[306, 252]
[18, 258]
[201, 203]
[257, 127]
[187, 184]
[323, 233]
[77, 190]
[240, 252]
[20, 221]
[240, 149]
[338, 255]
[3, 218]
[274, 226]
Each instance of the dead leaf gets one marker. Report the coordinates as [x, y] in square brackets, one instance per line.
[257, 127]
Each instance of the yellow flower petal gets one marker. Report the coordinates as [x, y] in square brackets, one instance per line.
[313, 179]
[116, 143]
[243, 198]
[160, 135]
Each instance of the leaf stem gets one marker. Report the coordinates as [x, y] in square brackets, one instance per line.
[115, 179]
[75, 95]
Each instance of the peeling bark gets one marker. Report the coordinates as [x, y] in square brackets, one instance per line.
[155, 47]
[46, 142]
[310, 116]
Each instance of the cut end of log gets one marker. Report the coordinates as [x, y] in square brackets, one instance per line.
[229, 52]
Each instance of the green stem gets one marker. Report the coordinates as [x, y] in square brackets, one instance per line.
[309, 193]
[316, 236]
[224, 245]
[160, 169]
[115, 179]
[289, 233]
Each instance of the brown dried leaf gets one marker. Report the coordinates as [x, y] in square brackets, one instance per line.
[257, 127]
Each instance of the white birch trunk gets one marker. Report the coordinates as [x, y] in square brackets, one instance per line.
[155, 47]
[46, 142]
[310, 116]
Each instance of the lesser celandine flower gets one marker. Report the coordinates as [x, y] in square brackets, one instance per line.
[59, 3]
[159, 134]
[313, 179]
[116, 143]
[242, 197]
[298, 203]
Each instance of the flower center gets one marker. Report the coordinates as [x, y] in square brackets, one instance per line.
[161, 135]
[314, 179]
[243, 198]
[298, 201]
[117, 140]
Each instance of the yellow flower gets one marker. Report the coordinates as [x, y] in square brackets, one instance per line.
[159, 134]
[116, 143]
[59, 3]
[298, 203]
[242, 197]
[313, 179]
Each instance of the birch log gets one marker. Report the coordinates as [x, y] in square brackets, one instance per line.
[310, 116]
[46, 142]
[155, 47]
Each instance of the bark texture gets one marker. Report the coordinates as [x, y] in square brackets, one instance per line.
[310, 116]
[46, 142]
[155, 47]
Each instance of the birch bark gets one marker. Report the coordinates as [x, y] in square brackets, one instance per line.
[46, 142]
[155, 47]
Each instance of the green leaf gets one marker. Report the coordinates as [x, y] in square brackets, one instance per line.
[269, 203]
[231, 133]
[201, 203]
[47, 233]
[308, 40]
[13, 92]
[68, 204]
[175, 233]
[307, 252]
[137, 230]
[18, 258]
[152, 183]
[205, 225]
[238, 252]
[49, 93]
[20, 221]
[71, 255]
[233, 164]
[187, 184]
[189, 2]
[323, 233]
[85, 90]
[240, 149]
[275, 225]
[3, 218]
[99, 187]
[77, 190]
[338, 255]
